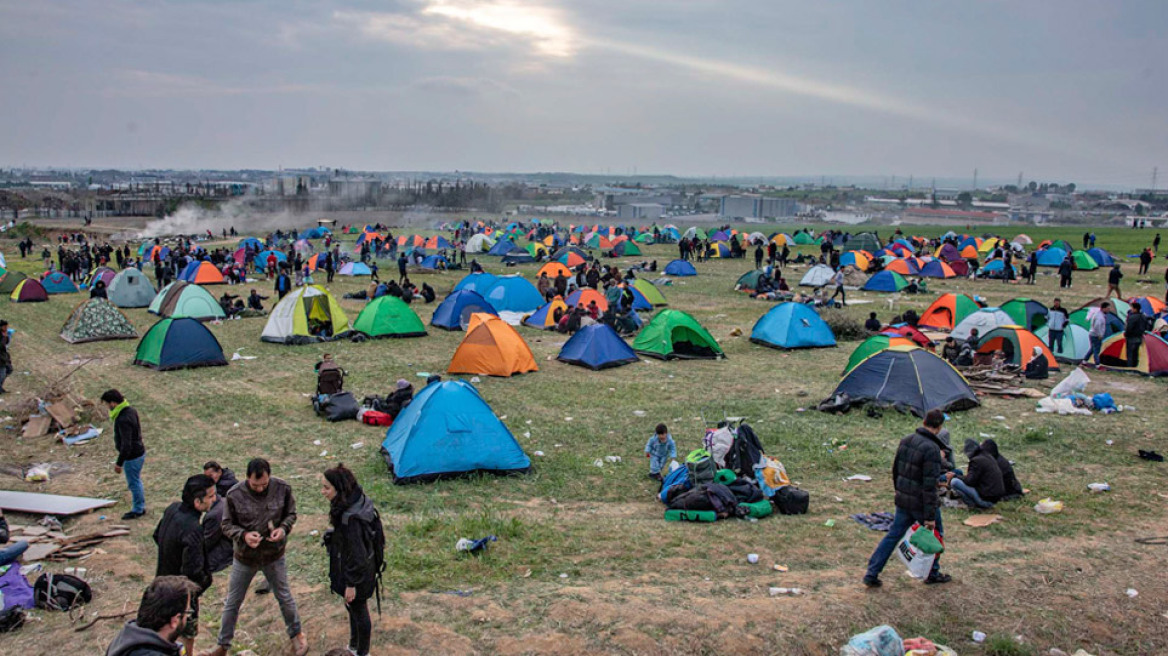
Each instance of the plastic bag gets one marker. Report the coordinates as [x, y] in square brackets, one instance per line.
[1076, 381]
[1048, 506]
[38, 473]
[880, 641]
[918, 562]
[1103, 401]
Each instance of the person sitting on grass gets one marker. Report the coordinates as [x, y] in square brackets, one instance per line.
[872, 325]
[1037, 368]
[399, 398]
[981, 486]
[1009, 480]
[660, 449]
[951, 351]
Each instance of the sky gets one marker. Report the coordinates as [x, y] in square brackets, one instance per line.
[1057, 90]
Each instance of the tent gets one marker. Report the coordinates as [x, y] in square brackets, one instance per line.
[949, 252]
[904, 267]
[985, 320]
[58, 283]
[792, 326]
[1029, 314]
[583, 297]
[1149, 305]
[553, 269]
[858, 259]
[184, 299]
[1082, 316]
[908, 332]
[102, 273]
[29, 290]
[680, 268]
[545, 317]
[517, 257]
[1153, 357]
[874, 345]
[316, 233]
[179, 343]
[355, 269]
[805, 239]
[504, 246]
[908, 377]
[95, 320]
[434, 262]
[1021, 239]
[865, 241]
[937, 269]
[389, 316]
[626, 249]
[255, 244]
[478, 244]
[476, 282]
[536, 249]
[308, 314]
[1101, 257]
[448, 431]
[817, 276]
[650, 291]
[749, 280]
[969, 252]
[885, 281]
[1076, 343]
[675, 334]
[10, 280]
[513, 294]
[1083, 261]
[491, 347]
[202, 273]
[130, 289]
[261, 259]
[1017, 342]
[1051, 257]
[597, 346]
[455, 311]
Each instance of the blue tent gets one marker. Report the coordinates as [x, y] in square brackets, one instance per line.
[1101, 257]
[1051, 257]
[315, 233]
[680, 268]
[255, 244]
[354, 269]
[932, 269]
[791, 326]
[997, 265]
[477, 282]
[448, 431]
[179, 343]
[514, 294]
[885, 281]
[261, 259]
[504, 246]
[639, 300]
[58, 283]
[597, 347]
[433, 262]
[441, 242]
[454, 312]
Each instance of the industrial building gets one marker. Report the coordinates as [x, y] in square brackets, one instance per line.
[757, 207]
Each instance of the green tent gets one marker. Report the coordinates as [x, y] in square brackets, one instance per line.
[594, 240]
[1083, 261]
[94, 320]
[804, 239]
[675, 334]
[389, 316]
[644, 238]
[874, 345]
[9, 282]
[181, 343]
[1028, 313]
[184, 299]
[627, 248]
[1119, 309]
[749, 280]
[1061, 243]
[535, 248]
[650, 292]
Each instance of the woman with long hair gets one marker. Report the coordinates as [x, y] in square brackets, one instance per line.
[352, 543]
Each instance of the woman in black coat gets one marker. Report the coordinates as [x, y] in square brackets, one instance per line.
[351, 550]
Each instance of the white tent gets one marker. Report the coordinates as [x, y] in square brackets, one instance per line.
[756, 237]
[130, 289]
[817, 276]
[292, 319]
[985, 320]
[479, 243]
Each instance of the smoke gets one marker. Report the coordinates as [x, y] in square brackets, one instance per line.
[192, 219]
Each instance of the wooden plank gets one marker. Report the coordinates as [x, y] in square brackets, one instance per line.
[41, 551]
[49, 504]
[37, 426]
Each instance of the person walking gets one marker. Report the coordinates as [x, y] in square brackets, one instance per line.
[1098, 331]
[1145, 261]
[1113, 278]
[916, 471]
[257, 518]
[355, 545]
[1064, 270]
[179, 537]
[1156, 244]
[130, 447]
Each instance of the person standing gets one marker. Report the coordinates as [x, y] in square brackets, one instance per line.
[758, 256]
[1098, 330]
[1145, 261]
[1113, 278]
[179, 537]
[1133, 334]
[131, 449]
[6, 357]
[217, 546]
[257, 518]
[916, 472]
[402, 261]
[1056, 324]
[355, 545]
[1064, 270]
[162, 613]
[837, 281]
[1156, 244]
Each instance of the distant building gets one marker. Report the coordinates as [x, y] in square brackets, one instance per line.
[640, 211]
[927, 216]
[757, 207]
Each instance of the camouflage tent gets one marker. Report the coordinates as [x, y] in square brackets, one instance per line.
[95, 320]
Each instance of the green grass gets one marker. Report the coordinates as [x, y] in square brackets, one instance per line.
[635, 574]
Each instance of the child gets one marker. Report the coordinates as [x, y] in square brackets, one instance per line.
[660, 449]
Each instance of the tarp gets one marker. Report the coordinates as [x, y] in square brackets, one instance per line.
[680, 268]
[985, 320]
[455, 311]
[95, 320]
[792, 326]
[308, 314]
[389, 316]
[448, 430]
[675, 334]
[184, 299]
[130, 289]
[597, 346]
[179, 344]
[491, 347]
[908, 377]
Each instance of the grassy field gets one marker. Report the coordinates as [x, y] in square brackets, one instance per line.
[584, 561]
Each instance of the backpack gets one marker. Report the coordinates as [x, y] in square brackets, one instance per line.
[745, 452]
[61, 592]
[790, 500]
[700, 467]
[340, 407]
[695, 499]
[373, 534]
[746, 490]
[676, 477]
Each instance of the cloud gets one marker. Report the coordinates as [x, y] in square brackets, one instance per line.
[140, 83]
[463, 86]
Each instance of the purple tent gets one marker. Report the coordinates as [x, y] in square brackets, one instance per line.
[949, 253]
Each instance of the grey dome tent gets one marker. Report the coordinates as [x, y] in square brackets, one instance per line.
[817, 276]
[130, 289]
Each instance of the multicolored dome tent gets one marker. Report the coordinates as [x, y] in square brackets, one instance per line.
[179, 344]
[184, 299]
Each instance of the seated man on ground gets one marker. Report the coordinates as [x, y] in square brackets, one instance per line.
[1009, 480]
[981, 486]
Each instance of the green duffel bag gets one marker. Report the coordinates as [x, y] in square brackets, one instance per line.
[725, 476]
[758, 509]
[691, 516]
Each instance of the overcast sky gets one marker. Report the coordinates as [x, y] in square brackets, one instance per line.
[1062, 90]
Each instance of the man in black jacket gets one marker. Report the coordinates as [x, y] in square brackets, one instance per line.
[165, 605]
[915, 475]
[131, 450]
[218, 547]
[1133, 334]
[981, 485]
[179, 537]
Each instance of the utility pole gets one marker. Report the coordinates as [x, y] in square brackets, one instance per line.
[1019, 179]
[1155, 171]
[910, 182]
[975, 179]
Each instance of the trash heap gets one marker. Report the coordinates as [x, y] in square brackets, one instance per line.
[1069, 397]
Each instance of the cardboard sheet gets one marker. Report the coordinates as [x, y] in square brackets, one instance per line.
[49, 504]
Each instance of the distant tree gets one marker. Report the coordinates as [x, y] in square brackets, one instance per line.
[1011, 189]
[1071, 188]
[1033, 186]
[965, 199]
[1140, 211]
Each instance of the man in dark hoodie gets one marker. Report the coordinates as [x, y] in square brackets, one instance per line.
[218, 546]
[981, 486]
[915, 475]
[258, 517]
[131, 450]
[179, 537]
[1009, 480]
[164, 609]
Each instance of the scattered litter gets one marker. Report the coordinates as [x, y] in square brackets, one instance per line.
[1132, 592]
[798, 409]
[323, 454]
[979, 637]
[999, 418]
[563, 576]
[456, 593]
[1048, 506]
[314, 532]
[79, 434]
[985, 436]
[879, 641]
[612, 458]
[639, 413]
[829, 523]
[356, 445]
[237, 356]
[567, 419]
[1099, 487]
[780, 568]
[539, 454]
[858, 477]
[475, 380]
[503, 417]
[1109, 442]
[880, 521]
[598, 463]
[474, 546]
[316, 442]
[752, 558]
[778, 592]
[38, 473]
[528, 422]
[423, 374]
[982, 521]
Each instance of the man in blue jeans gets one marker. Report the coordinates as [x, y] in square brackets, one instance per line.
[915, 474]
[131, 450]
[1098, 330]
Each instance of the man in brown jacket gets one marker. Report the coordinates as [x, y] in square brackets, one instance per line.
[260, 513]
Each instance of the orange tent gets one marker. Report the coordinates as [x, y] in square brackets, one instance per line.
[618, 239]
[901, 267]
[311, 262]
[553, 269]
[207, 274]
[583, 297]
[491, 348]
[1021, 347]
[572, 260]
[969, 252]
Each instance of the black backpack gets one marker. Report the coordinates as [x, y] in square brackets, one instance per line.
[790, 500]
[340, 407]
[11, 619]
[745, 452]
[60, 592]
[373, 533]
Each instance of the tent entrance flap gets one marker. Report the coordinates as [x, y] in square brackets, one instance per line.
[687, 343]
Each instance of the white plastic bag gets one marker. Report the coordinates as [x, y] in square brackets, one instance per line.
[919, 563]
[1076, 381]
[1048, 506]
